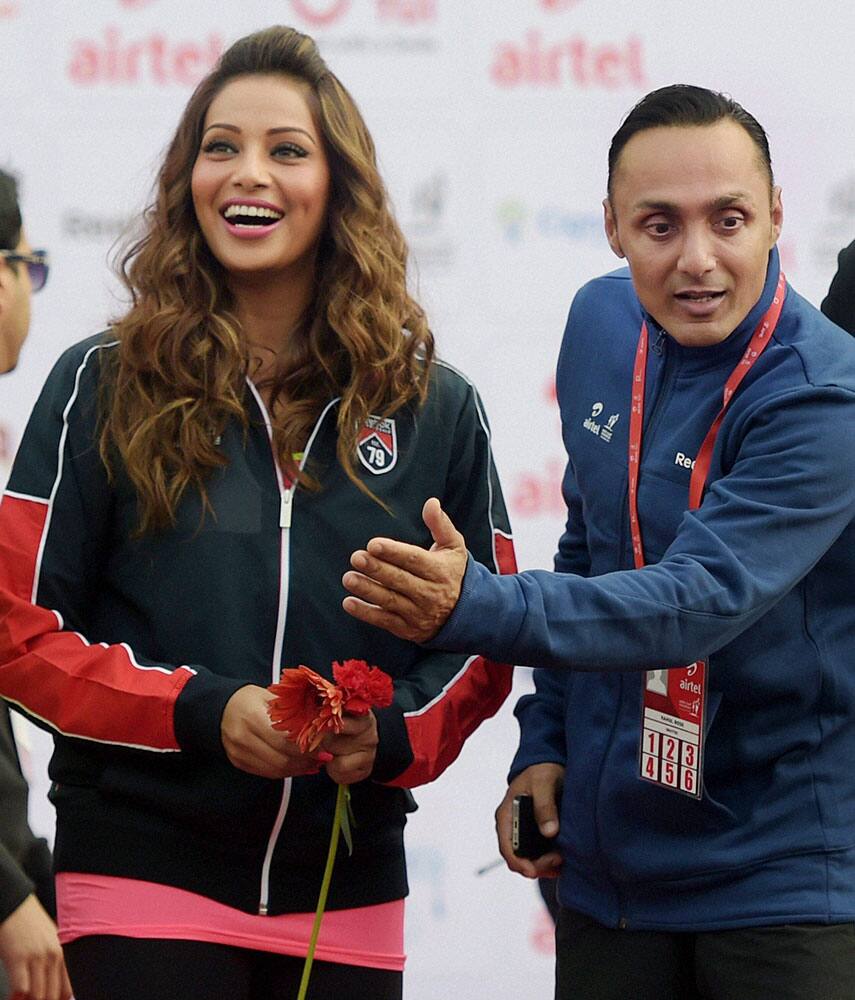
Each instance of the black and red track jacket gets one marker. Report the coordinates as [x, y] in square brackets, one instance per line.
[128, 648]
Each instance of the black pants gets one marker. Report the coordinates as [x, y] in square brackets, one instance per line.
[791, 962]
[121, 968]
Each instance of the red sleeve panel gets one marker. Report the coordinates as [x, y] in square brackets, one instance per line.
[438, 731]
[95, 692]
[53, 510]
[445, 696]
[24, 519]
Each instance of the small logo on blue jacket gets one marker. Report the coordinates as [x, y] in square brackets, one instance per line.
[377, 445]
[604, 430]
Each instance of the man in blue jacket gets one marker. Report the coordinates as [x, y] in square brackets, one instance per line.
[693, 716]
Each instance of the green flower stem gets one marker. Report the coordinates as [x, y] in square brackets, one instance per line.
[340, 806]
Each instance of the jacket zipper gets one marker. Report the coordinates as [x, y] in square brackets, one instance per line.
[663, 390]
[286, 504]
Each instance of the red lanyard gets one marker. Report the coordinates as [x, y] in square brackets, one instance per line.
[762, 336]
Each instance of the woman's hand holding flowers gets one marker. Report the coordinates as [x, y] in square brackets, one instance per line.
[353, 749]
[252, 745]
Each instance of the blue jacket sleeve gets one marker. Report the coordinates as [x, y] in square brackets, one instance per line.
[784, 501]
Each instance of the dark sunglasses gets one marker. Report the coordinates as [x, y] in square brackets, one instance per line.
[37, 265]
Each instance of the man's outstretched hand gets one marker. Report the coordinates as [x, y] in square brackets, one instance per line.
[407, 590]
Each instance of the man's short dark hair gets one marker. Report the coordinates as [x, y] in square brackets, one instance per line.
[684, 105]
[10, 212]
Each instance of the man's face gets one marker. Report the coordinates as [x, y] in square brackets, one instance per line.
[15, 291]
[691, 212]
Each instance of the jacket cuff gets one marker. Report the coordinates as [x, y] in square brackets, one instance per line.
[14, 884]
[38, 864]
[394, 753]
[199, 711]
[523, 761]
[487, 618]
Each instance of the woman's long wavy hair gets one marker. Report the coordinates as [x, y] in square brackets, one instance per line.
[179, 373]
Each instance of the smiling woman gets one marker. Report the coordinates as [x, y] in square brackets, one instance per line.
[269, 402]
[313, 305]
[260, 190]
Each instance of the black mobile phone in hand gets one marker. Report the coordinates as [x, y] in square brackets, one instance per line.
[526, 839]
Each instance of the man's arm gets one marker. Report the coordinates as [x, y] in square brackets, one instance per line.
[759, 530]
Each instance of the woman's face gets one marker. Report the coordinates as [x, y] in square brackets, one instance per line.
[261, 180]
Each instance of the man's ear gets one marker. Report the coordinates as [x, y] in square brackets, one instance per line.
[777, 214]
[611, 228]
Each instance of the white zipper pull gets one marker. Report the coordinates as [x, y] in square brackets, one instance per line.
[285, 508]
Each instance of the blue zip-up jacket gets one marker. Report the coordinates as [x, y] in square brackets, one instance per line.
[759, 580]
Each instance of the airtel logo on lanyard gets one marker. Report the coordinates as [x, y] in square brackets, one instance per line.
[671, 747]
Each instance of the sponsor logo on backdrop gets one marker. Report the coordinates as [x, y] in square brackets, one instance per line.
[428, 905]
[537, 492]
[556, 6]
[9, 9]
[113, 59]
[406, 11]
[788, 249]
[136, 4]
[397, 26]
[426, 223]
[7, 447]
[553, 222]
[79, 224]
[842, 197]
[320, 13]
[512, 216]
[536, 61]
[836, 229]
[542, 933]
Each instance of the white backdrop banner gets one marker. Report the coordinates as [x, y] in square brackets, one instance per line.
[492, 120]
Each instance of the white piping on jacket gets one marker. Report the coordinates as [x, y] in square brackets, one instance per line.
[285, 493]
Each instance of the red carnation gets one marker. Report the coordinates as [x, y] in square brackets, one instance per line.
[362, 687]
[307, 707]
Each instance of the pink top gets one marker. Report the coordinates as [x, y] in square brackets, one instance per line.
[370, 936]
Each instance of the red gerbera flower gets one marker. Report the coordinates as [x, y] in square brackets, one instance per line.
[362, 687]
[307, 707]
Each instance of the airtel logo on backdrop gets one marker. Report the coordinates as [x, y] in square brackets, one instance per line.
[323, 13]
[537, 62]
[7, 449]
[115, 60]
[320, 12]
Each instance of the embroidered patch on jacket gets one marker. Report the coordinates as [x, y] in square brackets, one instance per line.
[377, 445]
